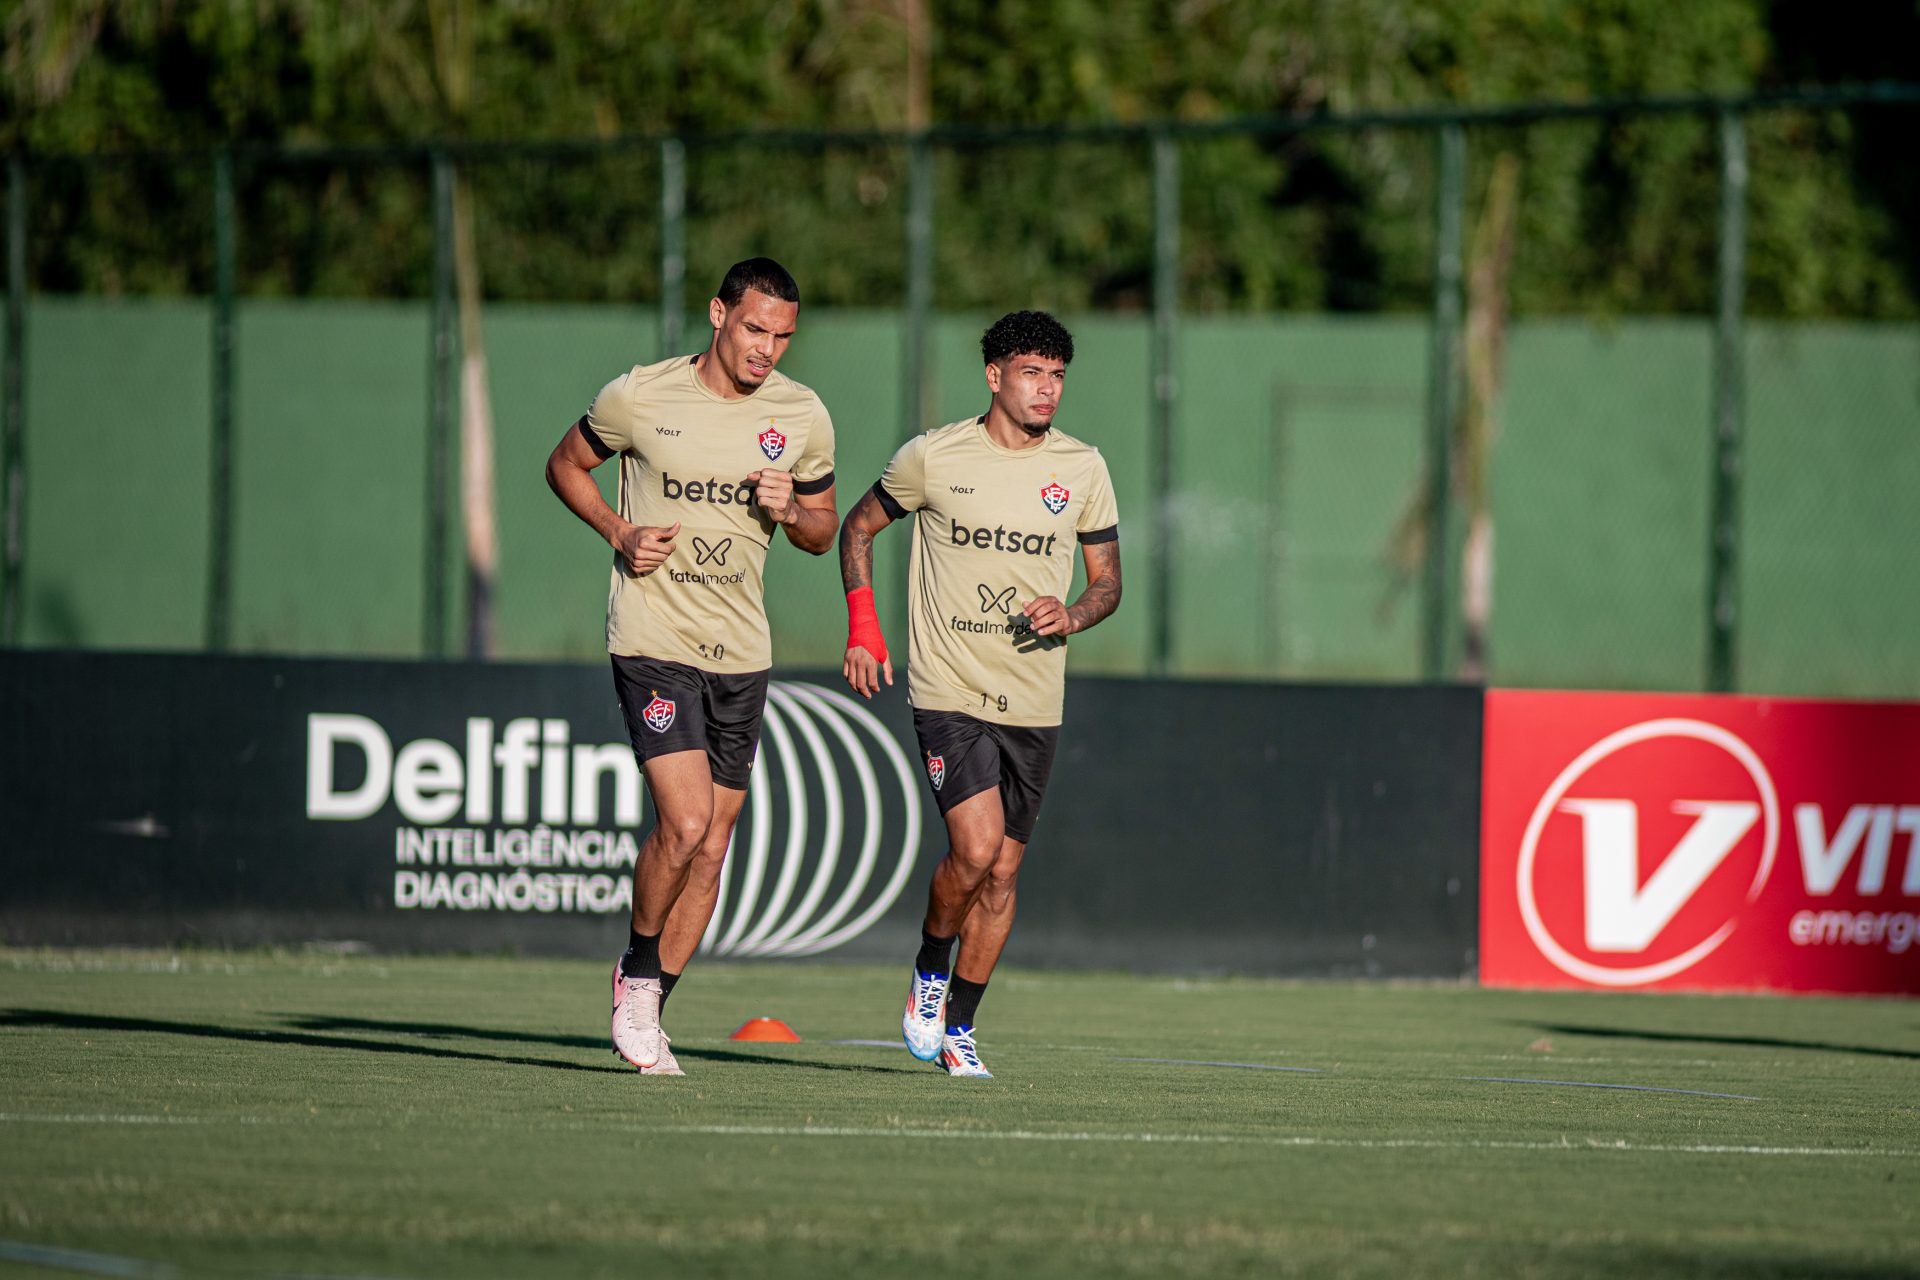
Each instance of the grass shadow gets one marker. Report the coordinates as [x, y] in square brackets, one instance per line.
[316, 1032]
[450, 1031]
[735, 1055]
[1698, 1037]
[1651, 1261]
[59, 1020]
[438, 1031]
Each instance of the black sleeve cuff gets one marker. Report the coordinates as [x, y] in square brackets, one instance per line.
[1109, 534]
[819, 485]
[594, 442]
[887, 502]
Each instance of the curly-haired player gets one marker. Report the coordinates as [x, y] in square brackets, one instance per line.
[1001, 501]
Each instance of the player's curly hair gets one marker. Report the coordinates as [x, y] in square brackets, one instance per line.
[1027, 333]
[763, 274]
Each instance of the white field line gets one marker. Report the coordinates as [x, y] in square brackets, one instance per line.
[1037, 1135]
[20, 1117]
[1549, 1057]
[1595, 1084]
[1208, 1062]
[1266, 1140]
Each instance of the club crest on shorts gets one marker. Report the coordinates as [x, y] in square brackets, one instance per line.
[772, 443]
[936, 770]
[1055, 497]
[658, 714]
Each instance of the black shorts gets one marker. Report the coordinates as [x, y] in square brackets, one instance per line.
[671, 707]
[964, 756]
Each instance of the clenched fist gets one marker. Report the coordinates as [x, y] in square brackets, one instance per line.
[773, 494]
[645, 547]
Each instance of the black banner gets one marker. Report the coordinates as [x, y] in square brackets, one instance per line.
[1292, 829]
[424, 806]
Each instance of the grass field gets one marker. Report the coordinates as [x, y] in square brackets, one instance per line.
[274, 1114]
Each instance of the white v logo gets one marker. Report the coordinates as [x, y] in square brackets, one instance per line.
[1621, 914]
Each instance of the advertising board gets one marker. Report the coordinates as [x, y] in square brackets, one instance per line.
[1698, 842]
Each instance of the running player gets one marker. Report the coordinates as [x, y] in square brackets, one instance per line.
[1002, 500]
[716, 451]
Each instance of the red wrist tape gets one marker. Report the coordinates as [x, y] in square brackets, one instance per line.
[863, 624]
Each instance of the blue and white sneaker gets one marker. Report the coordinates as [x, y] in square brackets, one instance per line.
[959, 1055]
[925, 1022]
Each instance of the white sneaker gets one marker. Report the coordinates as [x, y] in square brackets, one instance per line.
[636, 1019]
[925, 1020]
[668, 1065]
[959, 1056]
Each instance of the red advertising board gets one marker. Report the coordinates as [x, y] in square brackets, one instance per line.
[1689, 843]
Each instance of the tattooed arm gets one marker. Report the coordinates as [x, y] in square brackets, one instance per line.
[866, 518]
[867, 661]
[1102, 596]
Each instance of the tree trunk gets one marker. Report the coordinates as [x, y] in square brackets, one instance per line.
[1492, 259]
[476, 433]
[452, 23]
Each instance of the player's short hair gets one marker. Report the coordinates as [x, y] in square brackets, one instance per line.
[1027, 333]
[763, 274]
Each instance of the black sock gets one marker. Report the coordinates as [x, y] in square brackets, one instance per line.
[666, 986]
[963, 1001]
[936, 955]
[643, 956]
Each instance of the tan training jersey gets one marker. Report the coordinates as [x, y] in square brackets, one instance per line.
[996, 528]
[684, 455]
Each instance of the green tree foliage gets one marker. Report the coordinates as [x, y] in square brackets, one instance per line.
[1614, 215]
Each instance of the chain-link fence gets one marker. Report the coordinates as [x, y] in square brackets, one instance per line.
[1388, 398]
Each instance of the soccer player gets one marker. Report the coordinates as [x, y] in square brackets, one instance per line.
[1001, 501]
[716, 452]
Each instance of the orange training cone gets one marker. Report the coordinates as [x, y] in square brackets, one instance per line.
[765, 1029]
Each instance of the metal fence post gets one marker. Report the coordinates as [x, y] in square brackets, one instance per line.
[13, 439]
[1165, 387]
[220, 463]
[1729, 407]
[440, 401]
[1443, 392]
[914, 392]
[673, 245]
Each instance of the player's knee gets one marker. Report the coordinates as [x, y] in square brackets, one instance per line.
[999, 887]
[682, 835]
[976, 860]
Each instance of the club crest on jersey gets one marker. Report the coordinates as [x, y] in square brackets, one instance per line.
[772, 443]
[936, 770]
[658, 714]
[1055, 497]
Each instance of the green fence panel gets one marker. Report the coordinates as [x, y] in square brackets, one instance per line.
[1297, 457]
[1830, 579]
[330, 405]
[545, 364]
[117, 408]
[1600, 505]
[1300, 451]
